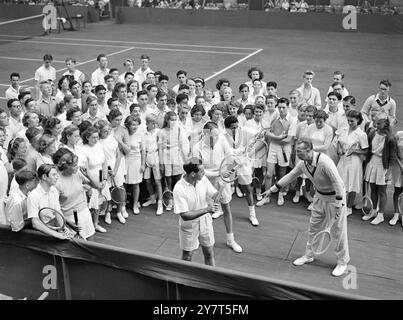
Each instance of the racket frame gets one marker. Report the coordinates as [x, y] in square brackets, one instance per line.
[57, 214]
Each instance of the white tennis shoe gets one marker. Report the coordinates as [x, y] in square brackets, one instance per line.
[339, 270]
[217, 214]
[234, 246]
[301, 261]
[394, 220]
[254, 221]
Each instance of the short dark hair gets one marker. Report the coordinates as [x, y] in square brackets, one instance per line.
[283, 100]
[18, 164]
[220, 82]
[141, 92]
[180, 97]
[181, 72]
[87, 133]
[320, 114]
[197, 108]
[193, 165]
[144, 56]
[113, 70]
[11, 101]
[70, 112]
[14, 74]
[45, 169]
[102, 55]
[385, 82]
[356, 115]
[24, 176]
[183, 86]
[336, 94]
[163, 77]
[98, 88]
[73, 83]
[349, 99]
[306, 142]
[271, 84]
[114, 114]
[230, 120]
[32, 133]
[47, 57]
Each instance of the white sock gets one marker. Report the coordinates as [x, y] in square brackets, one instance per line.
[252, 211]
[230, 237]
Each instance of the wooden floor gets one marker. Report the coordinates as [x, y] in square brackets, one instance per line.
[376, 251]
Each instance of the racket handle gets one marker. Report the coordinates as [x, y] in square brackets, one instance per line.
[101, 175]
[75, 217]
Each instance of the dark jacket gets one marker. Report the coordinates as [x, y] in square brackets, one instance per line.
[389, 153]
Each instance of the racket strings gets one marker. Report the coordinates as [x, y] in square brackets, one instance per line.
[321, 242]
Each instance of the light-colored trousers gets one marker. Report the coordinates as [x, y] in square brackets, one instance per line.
[323, 211]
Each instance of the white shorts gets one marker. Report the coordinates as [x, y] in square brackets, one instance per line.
[155, 170]
[275, 155]
[245, 179]
[193, 232]
[226, 194]
[172, 170]
[85, 222]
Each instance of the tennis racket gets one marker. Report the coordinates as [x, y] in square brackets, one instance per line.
[354, 147]
[54, 220]
[321, 241]
[367, 205]
[257, 150]
[118, 194]
[278, 129]
[168, 199]
[76, 220]
[228, 169]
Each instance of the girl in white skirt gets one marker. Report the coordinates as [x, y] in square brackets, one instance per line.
[116, 165]
[382, 154]
[72, 192]
[351, 146]
[92, 159]
[135, 159]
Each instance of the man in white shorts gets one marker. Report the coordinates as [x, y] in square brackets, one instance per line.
[212, 149]
[191, 198]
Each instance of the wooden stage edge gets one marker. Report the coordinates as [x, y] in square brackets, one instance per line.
[268, 250]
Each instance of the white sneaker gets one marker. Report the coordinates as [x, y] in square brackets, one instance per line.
[254, 221]
[280, 200]
[239, 193]
[108, 218]
[160, 209]
[379, 219]
[296, 197]
[263, 201]
[136, 209]
[234, 246]
[100, 229]
[121, 219]
[349, 211]
[339, 270]
[370, 216]
[149, 202]
[217, 214]
[394, 220]
[301, 261]
[124, 212]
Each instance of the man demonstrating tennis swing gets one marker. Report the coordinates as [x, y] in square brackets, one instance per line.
[328, 207]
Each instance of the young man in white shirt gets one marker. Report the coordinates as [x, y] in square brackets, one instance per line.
[44, 73]
[192, 196]
[99, 74]
[383, 100]
[16, 205]
[72, 71]
[280, 148]
[310, 95]
[15, 121]
[212, 150]
[129, 67]
[141, 74]
[13, 90]
[181, 75]
[45, 195]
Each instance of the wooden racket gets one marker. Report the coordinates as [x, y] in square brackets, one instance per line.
[322, 240]
[367, 205]
[54, 220]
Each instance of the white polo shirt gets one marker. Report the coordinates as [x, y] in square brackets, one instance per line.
[44, 74]
[39, 198]
[97, 77]
[16, 209]
[12, 93]
[189, 197]
[141, 75]
[77, 74]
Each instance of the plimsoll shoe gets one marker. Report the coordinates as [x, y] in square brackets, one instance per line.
[217, 214]
[379, 219]
[263, 201]
[121, 219]
[124, 213]
[301, 261]
[234, 246]
[370, 216]
[149, 202]
[254, 221]
[394, 220]
[339, 270]
[108, 218]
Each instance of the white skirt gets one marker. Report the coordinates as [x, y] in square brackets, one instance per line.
[133, 175]
[396, 176]
[350, 170]
[85, 222]
[375, 172]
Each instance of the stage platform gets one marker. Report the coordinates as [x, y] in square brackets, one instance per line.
[376, 251]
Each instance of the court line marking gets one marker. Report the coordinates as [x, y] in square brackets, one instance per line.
[142, 43]
[27, 59]
[233, 65]
[142, 48]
